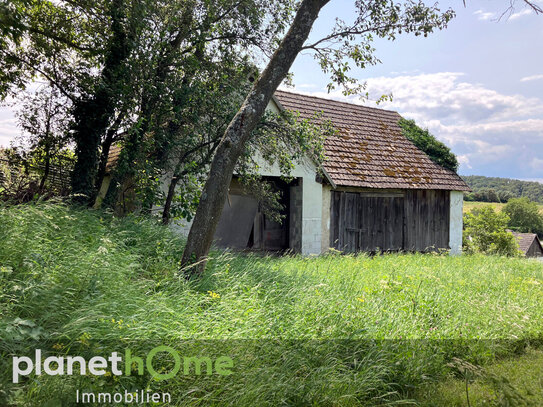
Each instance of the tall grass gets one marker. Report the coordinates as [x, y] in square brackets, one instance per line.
[329, 330]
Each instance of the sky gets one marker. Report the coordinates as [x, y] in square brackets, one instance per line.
[477, 85]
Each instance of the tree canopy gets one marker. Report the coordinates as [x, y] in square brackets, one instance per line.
[524, 216]
[159, 79]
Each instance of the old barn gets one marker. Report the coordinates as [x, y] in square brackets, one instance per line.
[379, 192]
[529, 244]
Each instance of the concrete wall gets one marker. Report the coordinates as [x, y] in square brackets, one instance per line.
[311, 202]
[296, 216]
[456, 219]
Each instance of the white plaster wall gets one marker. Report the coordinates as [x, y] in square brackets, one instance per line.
[325, 223]
[311, 216]
[455, 219]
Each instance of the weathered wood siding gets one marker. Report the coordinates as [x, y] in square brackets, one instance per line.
[535, 249]
[413, 220]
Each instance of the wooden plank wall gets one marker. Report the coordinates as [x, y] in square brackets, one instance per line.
[413, 220]
[534, 250]
[427, 220]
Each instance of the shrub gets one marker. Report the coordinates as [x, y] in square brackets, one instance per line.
[425, 141]
[524, 216]
[484, 232]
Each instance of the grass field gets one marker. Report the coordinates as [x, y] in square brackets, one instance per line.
[325, 331]
[469, 205]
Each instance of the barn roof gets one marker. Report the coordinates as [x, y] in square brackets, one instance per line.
[525, 240]
[113, 157]
[370, 149]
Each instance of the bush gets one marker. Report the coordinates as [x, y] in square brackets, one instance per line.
[436, 150]
[484, 232]
[524, 216]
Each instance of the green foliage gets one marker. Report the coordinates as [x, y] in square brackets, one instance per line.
[320, 331]
[485, 232]
[494, 189]
[284, 140]
[435, 149]
[524, 216]
[139, 73]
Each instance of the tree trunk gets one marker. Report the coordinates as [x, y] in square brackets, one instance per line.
[238, 133]
[47, 150]
[93, 114]
[169, 199]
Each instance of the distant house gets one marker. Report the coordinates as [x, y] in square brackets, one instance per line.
[529, 244]
[378, 191]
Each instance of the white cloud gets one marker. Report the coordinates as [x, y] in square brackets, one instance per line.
[537, 164]
[531, 78]
[520, 14]
[8, 127]
[484, 16]
[464, 160]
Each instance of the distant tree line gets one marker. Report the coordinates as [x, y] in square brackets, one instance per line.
[494, 189]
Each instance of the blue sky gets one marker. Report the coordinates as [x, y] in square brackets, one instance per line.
[477, 86]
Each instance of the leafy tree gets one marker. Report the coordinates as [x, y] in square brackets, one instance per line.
[44, 119]
[435, 149]
[135, 73]
[485, 232]
[524, 216]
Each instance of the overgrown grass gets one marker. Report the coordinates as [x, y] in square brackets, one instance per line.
[330, 330]
[509, 382]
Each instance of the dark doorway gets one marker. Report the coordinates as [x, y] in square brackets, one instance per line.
[245, 225]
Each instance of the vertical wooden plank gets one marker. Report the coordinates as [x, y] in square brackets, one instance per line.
[367, 224]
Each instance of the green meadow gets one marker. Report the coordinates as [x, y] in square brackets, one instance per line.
[470, 205]
[334, 330]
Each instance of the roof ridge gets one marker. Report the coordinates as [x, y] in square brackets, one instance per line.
[337, 101]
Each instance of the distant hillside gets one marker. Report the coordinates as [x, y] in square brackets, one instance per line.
[493, 189]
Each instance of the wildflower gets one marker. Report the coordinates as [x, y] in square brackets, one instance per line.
[361, 299]
[213, 294]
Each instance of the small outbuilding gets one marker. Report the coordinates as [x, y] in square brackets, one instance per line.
[378, 192]
[529, 244]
